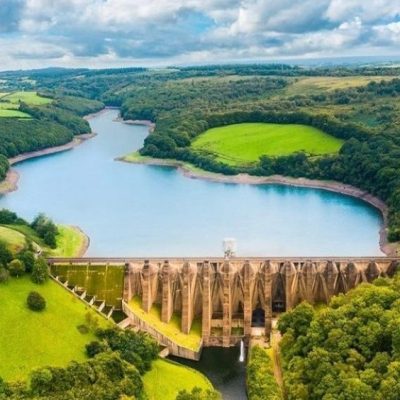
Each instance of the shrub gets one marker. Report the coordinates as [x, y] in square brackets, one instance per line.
[83, 329]
[92, 321]
[4, 275]
[95, 347]
[40, 271]
[36, 301]
[28, 258]
[198, 394]
[16, 268]
[5, 254]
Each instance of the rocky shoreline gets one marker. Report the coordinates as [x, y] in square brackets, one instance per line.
[333, 186]
[85, 244]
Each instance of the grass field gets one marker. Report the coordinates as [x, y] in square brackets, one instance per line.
[9, 103]
[171, 330]
[13, 114]
[28, 339]
[104, 281]
[69, 240]
[14, 239]
[313, 85]
[244, 143]
[166, 379]
[27, 97]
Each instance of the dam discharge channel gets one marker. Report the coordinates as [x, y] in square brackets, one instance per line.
[143, 211]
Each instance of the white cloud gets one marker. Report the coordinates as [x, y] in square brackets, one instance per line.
[97, 32]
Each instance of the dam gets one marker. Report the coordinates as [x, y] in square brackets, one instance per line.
[233, 298]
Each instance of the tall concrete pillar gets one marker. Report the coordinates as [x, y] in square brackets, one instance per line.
[309, 274]
[188, 281]
[147, 286]
[331, 274]
[248, 276]
[227, 304]
[127, 283]
[266, 272]
[373, 271]
[289, 272]
[207, 305]
[166, 305]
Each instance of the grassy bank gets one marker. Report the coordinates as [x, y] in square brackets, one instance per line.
[172, 330]
[166, 379]
[240, 144]
[71, 241]
[14, 239]
[29, 339]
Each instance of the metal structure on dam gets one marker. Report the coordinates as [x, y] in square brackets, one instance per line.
[232, 296]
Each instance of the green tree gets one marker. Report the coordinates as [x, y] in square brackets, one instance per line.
[28, 258]
[198, 394]
[16, 268]
[35, 301]
[40, 271]
[5, 254]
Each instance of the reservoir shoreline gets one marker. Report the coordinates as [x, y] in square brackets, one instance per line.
[10, 183]
[189, 171]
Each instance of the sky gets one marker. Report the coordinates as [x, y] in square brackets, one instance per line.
[116, 33]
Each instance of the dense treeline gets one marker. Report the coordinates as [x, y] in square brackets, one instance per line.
[33, 134]
[65, 118]
[261, 383]
[50, 125]
[113, 372]
[348, 350]
[105, 377]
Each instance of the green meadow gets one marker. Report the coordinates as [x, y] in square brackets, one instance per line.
[69, 240]
[15, 240]
[9, 103]
[167, 378]
[240, 144]
[28, 97]
[30, 339]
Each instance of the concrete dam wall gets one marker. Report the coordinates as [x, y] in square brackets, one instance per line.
[232, 297]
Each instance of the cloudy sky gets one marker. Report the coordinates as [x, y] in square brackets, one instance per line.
[106, 33]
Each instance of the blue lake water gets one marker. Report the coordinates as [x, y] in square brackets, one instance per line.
[140, 210]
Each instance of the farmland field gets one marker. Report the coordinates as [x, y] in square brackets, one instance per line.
[27, 97]
[244, 143]
[313, 85]
[13, 114]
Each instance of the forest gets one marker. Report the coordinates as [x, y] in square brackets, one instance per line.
[51, 124]
[346, 350]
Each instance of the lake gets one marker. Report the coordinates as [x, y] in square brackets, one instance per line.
[141, 210]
